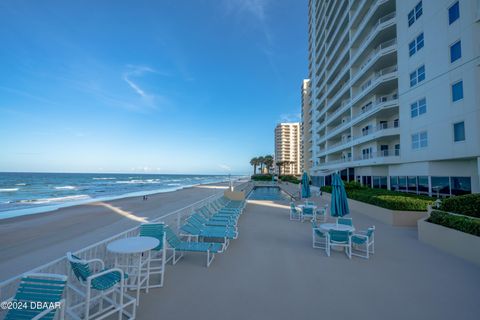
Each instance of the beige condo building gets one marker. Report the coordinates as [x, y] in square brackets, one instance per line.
[287, 147]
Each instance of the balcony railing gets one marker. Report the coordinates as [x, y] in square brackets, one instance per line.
[380, 127]
[378, 154]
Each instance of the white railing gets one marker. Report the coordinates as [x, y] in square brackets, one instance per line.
[174, 219]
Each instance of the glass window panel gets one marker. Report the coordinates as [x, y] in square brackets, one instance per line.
[421, 74]
[461, 185]
[453, 13]
[414, 109]
[422, 184]
[422, 106]
[440, 186]
[402, 183]
[413, 78]
[457, 91]
[411, 18]
[394, 183]
[383, 182]
[459, 131]
[412, 184]
[418, 10]
[420, 42]
[455, 51]
[423, 139]
[411, 48]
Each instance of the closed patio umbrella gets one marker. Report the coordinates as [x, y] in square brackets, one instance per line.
[306, 186]
[339, 205]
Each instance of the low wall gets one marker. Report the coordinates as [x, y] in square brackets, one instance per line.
[455, 242]
[235, 195]
[397, 218]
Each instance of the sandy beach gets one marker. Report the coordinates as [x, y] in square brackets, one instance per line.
[30, 241]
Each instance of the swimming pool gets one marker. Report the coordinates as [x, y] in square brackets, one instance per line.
[268, 193]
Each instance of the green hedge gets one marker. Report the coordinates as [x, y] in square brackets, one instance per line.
[291, 179]
[385, 198]
[460, 223]
[468, 205]
[261, 177]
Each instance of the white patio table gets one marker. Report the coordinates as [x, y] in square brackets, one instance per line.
[128, 249]
[334, 226]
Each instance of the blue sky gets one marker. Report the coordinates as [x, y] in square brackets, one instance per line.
[147, 86]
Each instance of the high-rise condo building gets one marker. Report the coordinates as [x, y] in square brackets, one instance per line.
[287, 148]
[395, 94]
[306, 127]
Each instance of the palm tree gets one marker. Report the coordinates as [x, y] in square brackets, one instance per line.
[254, 163]
[261, 163]
[280, 165]
[268, 160]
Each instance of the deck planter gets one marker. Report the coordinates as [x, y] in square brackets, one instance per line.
[455, 242]
[397, 218]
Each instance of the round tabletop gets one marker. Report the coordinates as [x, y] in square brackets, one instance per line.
[133, 245]
[337, 227]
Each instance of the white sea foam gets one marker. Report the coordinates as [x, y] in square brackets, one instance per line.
[104, 178]
[59, 199]
[9, 190]
[147, 181]
[173, 184]
[65, 188]
[21, 184]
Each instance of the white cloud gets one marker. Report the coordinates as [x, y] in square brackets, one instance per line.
[290, 117]
[225, 167]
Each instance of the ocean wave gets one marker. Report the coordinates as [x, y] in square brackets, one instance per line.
[104, 178]
[173, 184]
[59, 199]
[65, 188]
[21, 184]
[9, 190]
[147, 181]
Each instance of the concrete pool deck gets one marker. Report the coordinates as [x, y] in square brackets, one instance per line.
[272, 272]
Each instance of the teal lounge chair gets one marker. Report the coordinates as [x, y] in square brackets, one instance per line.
[40, 295]
[363, 243]
[97, 288]
[211, 248]
[217, 223]
[308, 212]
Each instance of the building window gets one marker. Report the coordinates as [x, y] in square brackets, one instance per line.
[402, 183]
[417, 76]
[419, 140]
[412, 184]
[460, 185]
[457, 91]
[422, 184]
[394, 183]
[440, 186]
[416, 44]
[459, 131]
[418, 107]
[455, 51]
[415, 13]
[454, 13]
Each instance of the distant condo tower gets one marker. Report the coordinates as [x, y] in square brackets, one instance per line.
[306, 127]
[395, 94]
[287, 148]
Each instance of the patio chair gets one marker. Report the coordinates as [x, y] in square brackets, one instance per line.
[322, 214]
[211, 248]
[363, 243]
[345, 221]
[40, 295]
[97, 286]
[155, 230]
[319, 238]
[295, 213]
[339, 238]
[227, 231]
[308, 212]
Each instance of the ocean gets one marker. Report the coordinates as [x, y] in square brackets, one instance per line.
[29, 193]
